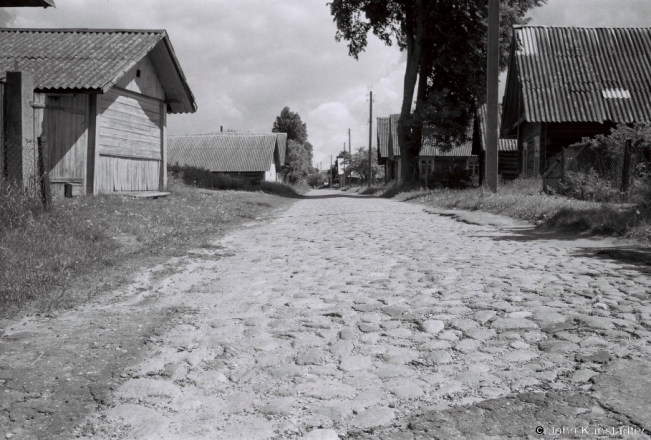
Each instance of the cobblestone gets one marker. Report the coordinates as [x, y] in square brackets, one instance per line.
[355, 317]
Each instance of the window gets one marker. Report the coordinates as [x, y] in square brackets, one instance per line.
[525, 158]
[472, 165]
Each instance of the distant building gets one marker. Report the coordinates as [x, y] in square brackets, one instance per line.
[567, 83]
[434, 159]
[383, 135]
[99, 100]
[249, 156]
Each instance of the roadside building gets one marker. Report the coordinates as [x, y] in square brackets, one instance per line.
[433, 159]
[507, 155]
[383, 131]
[249, 156]
[97, 100]
[393, 157]
[567, 83]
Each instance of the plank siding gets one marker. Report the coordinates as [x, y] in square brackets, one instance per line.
[2, 132]
[147, 84]
[130, 125]
[65, 126]
[126, 174]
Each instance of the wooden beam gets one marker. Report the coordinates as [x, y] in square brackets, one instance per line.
[92, 158]
[163, 146]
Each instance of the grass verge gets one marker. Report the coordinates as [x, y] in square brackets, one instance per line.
[42, 256]
[524, 199]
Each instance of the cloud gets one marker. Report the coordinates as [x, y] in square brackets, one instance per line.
[247, 59]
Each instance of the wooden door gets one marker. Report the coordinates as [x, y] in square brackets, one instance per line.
[66, 130]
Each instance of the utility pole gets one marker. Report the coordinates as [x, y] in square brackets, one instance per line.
[350, 155]
[492, 83]
[370, 139]
[343, 176]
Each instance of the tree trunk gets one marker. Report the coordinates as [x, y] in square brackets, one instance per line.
[404, 135]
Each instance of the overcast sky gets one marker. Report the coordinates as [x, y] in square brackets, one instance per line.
[247, 59]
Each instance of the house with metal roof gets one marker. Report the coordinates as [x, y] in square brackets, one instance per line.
[432, 159]
[383, 133]
[97, 100]
[507, 154]
[254, 157]
[566, 83]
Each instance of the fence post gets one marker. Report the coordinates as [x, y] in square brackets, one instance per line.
[44, 176]
[626, 172]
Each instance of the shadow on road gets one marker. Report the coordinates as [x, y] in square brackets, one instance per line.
[637, 256]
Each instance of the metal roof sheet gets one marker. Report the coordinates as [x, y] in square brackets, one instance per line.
[431, 149]
[383, 129]
[584, 74]
[93, 59]
[504, 144]
[224, 152]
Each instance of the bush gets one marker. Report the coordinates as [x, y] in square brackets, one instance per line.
[203, 178]
[457, 178]
[588, 186]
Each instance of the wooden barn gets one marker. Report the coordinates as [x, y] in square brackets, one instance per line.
[507, 155]
[97, 100]
[253, 157]
[567, 83]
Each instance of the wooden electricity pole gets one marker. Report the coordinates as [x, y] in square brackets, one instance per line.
[370, 139]
[492, 84]
[330, 174]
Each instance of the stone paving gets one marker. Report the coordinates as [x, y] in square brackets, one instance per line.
[355, 317]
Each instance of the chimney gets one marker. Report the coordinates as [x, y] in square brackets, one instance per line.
[221, 128]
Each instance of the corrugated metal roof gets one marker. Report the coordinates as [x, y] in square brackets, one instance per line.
[93, 59]
[503, 143]
[584, 74]
[383, 129]
[430, 149]
[224, 152]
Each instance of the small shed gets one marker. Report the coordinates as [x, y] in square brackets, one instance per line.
[507, 154]
[567, 83]
[250, 156]
[98, 99]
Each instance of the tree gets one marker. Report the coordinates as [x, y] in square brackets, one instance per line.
[445, 42]
[290, 122]
[359, 164]
[297, 162]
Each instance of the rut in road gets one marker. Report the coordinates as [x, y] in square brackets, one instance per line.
[345, 315]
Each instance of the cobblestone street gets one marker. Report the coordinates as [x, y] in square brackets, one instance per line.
[355, 317]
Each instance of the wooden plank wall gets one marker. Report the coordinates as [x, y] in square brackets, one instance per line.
[129, 125]
[2, 131]
[65, 127]
[127, 174]
[145, 84]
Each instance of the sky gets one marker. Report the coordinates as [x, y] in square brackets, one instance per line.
[245, 60]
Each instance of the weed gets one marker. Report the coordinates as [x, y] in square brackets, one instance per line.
[42, 255]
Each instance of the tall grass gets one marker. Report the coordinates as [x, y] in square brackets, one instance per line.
[43, 255]
[524, 199]
[18, 205]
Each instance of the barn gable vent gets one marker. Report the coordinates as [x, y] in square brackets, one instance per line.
[616, 94]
